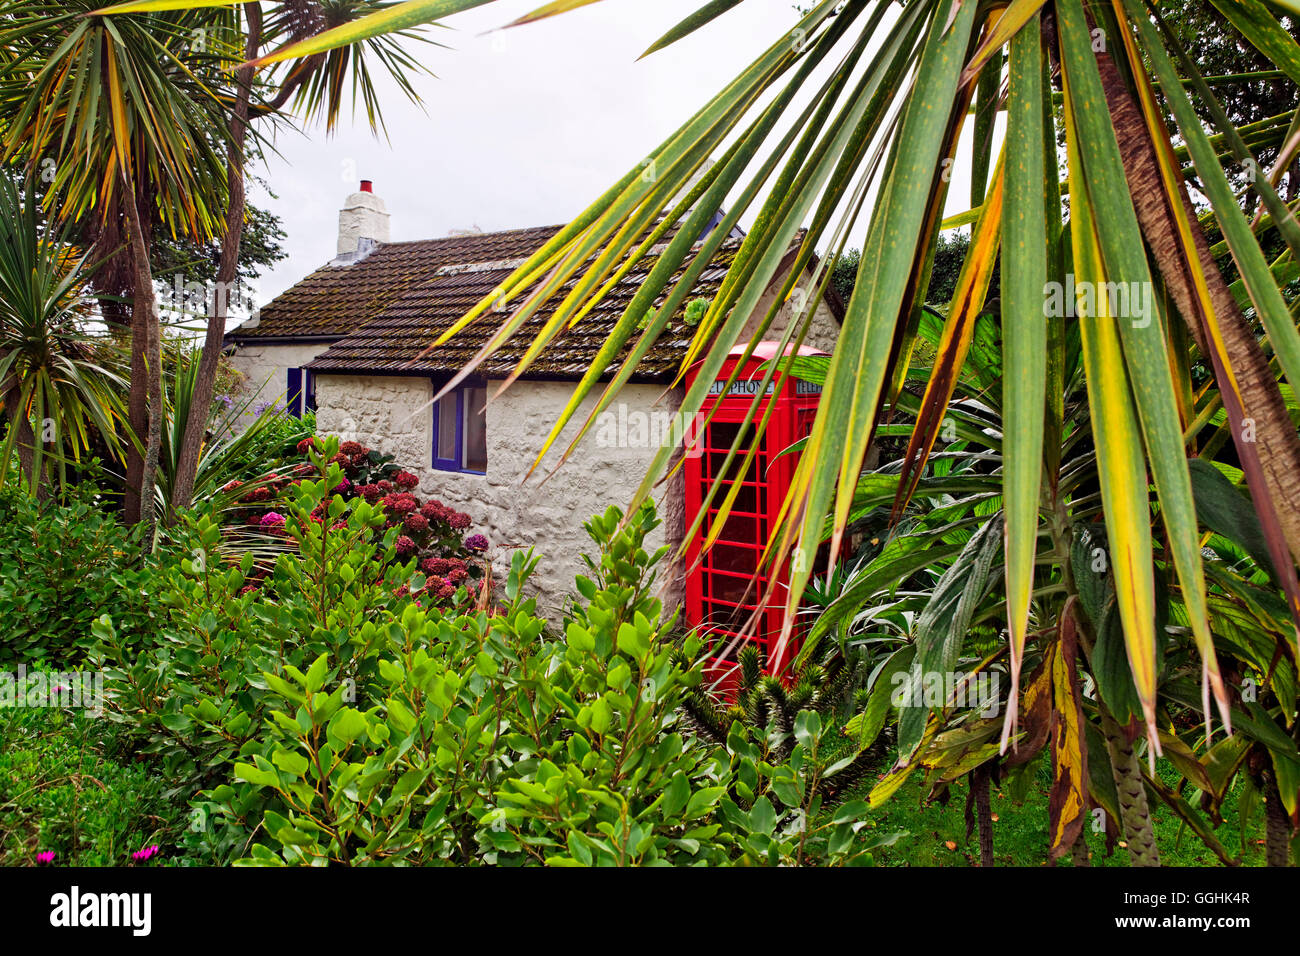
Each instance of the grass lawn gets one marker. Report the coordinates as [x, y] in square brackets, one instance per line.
[937, 834]
[61, 792]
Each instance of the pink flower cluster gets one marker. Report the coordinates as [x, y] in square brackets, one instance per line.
[428, 531]
[147, 853]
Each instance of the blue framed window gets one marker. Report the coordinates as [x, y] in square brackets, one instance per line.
[300, 393]
[460, 430]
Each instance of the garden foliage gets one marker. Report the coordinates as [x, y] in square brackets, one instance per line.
[332, 716]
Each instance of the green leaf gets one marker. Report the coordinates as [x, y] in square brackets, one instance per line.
[762, 816]
[1225, 510]
[346, 726]
[251, 774]
[702, 16]
[1024, 328]
[703, 801]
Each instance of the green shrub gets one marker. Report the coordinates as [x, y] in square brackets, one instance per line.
[62, 565]
[483, 739]
[331, 715]
[432, 533]
[196, 698]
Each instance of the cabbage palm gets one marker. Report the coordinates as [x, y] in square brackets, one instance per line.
[225, 458]
[857, 113]
[314, 86]
[52, 370]
[111, 118]
[932, 581]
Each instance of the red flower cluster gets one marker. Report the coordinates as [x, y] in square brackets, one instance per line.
[401, 503]
[431, 532]
[443, 567]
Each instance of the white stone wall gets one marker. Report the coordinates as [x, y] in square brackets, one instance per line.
[394, 414]
[265, 370]
[822, 333]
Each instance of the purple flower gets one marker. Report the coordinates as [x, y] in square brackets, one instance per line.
[46, 856]
[476, 542]
[343, 487]
[141, 855]
[272, 519]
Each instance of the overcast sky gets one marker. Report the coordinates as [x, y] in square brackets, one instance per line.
[522, 127]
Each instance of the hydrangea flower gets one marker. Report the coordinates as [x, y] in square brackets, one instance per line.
[272, 520]
[476, 542]
[440, 567]
[404, 545]
[401, 503]
[404, 479]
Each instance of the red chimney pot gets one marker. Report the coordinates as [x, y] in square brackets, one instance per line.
[367, 186]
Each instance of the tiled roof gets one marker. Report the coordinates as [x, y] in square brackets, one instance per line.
[391, 342]
[381, 312]
[336, 300]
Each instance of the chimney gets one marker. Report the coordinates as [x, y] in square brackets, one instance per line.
[363, 216]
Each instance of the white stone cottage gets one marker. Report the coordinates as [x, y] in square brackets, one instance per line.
[343, 339]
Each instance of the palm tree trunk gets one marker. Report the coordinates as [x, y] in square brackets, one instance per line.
[137, 419]
[979, 780]
[1079, 851]
[1135, 814]
[24, 439]
[1276, 441]
[227, 274]
[1277, 826]
[146, 365]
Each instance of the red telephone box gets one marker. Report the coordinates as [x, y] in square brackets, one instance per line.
[727, 585]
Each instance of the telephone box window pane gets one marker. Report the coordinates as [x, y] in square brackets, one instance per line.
[742, 528]
[748, 498]
[725, 614]
[722, 435]
[476, 429]
[726, 557]
[447, 428]
[737, 590]
[718, 465]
